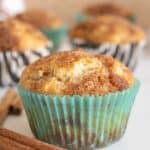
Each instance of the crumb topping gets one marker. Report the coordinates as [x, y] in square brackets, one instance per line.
[76, 73]
[108, 8]
[40, 19]
[107, 29]
[19, 36]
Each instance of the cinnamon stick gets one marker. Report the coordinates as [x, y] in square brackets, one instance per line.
[10, 104]
[10, 140]
[16, 106]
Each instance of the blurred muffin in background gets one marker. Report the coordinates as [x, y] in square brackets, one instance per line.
[51, 25]
[107, 8]
[20, 45]
[111, 35]
[85, 99]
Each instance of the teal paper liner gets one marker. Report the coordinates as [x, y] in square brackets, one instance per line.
[132, 19]
[80, 17]
[79, 122]
[55, 35]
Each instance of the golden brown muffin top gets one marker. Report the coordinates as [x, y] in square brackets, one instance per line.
[19, 36]
[107, 29]
[76, 73]
[40, 19]
[108, 8]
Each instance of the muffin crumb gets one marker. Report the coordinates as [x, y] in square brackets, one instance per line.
[76, 73]
[108, 8]
[107, 29]
[18, 36]
[40, 19]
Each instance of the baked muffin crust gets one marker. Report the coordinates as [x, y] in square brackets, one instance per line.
[107, 29]
[18, 36]
[76, 73]
[108, 8]
[40, 19]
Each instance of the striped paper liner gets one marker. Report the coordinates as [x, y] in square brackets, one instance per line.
[79, 122]
[12, 63]
[127, 53]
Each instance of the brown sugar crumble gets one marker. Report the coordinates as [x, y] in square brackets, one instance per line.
[108, 8]
[76, 73]
[19, 36]
[107, 29]
[40, 19]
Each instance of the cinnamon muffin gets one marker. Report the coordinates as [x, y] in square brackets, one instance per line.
[110, 35]
[81, 101]
[50, 24]
[20, 45]
[106, 8]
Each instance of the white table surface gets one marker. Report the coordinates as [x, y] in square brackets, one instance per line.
[137, 135]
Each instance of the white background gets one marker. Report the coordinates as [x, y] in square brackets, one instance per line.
[137, 135]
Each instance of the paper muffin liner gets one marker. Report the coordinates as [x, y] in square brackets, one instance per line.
[12, 64]
[79, 122]
[80, 17]
[132, 19]
[128, 54]
[55, 35]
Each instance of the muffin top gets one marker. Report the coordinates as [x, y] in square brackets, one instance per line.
[19, 36]
[40, 19]
[76, 73]
[108, 8]
[107, 29]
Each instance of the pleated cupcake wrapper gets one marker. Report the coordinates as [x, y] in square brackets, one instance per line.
[128, 53]
[56, 35]
[80, 17]
[79, 122]
[132, 19]
[12, 63]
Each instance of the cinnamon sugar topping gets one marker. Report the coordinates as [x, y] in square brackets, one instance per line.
[40, 19]
[108, 8]
[107, 29]
[76, 73]
[19, 36]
